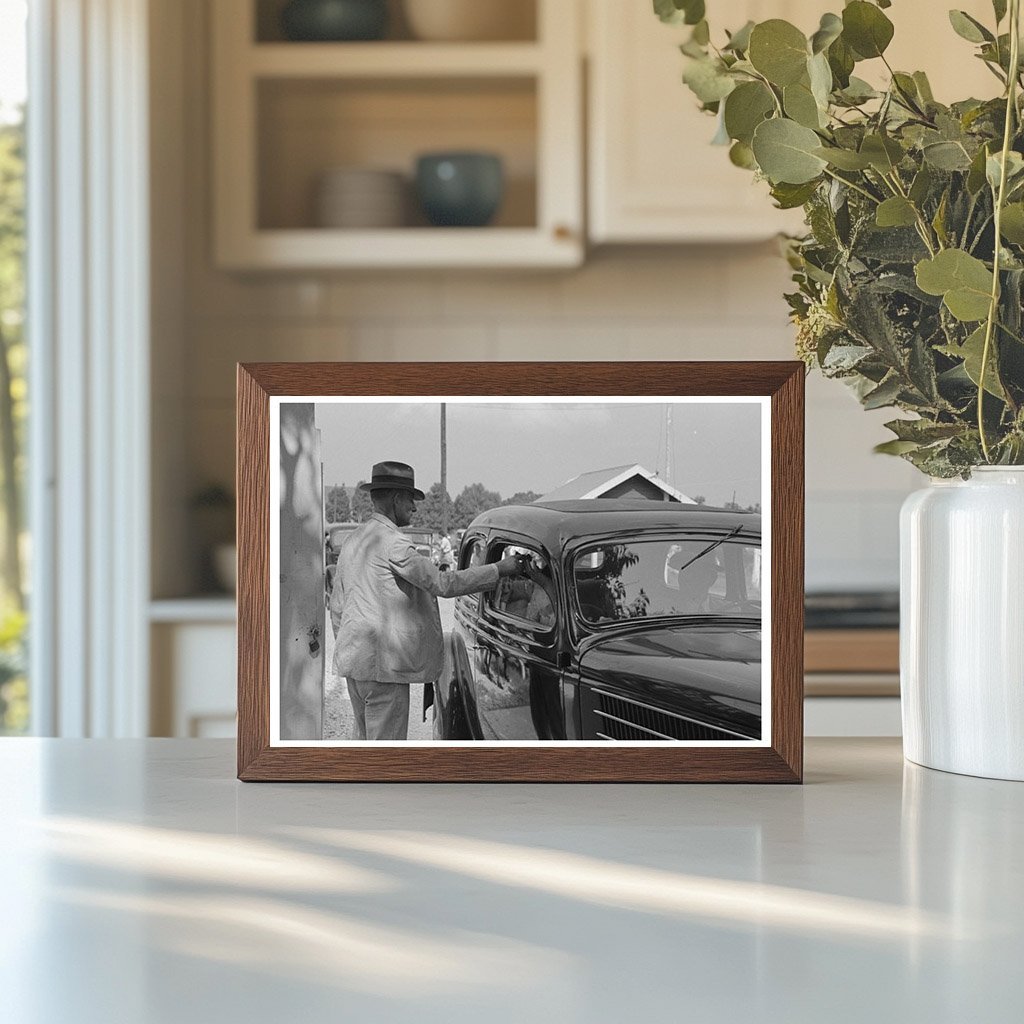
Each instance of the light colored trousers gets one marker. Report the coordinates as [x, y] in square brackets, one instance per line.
[381, 710]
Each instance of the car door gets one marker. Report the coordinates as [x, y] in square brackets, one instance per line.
[515, 687]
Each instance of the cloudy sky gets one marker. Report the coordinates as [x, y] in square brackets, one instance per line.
[512, 446]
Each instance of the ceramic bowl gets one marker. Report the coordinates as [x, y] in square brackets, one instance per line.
[471, 20]
[460, 189]
[334, 20]
[359, 197]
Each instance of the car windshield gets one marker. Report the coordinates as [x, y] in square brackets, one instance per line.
[670, 577]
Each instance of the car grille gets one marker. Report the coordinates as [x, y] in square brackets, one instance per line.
[617, 718]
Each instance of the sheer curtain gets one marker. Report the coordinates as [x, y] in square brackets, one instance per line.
[88, 314]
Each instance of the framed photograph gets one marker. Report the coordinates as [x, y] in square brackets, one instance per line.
[520, 572]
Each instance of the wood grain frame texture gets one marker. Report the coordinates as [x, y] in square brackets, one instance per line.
[782, 761]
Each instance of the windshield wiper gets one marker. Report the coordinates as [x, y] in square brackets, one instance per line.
[711, 547]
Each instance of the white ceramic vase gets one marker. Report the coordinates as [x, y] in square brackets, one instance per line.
[962, 624]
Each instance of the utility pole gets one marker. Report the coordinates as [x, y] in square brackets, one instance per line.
[444, 471]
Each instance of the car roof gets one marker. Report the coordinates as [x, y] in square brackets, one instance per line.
[554, 523]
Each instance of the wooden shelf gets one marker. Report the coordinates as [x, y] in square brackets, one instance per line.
[852, 650]
[401, 247]
[392, 60]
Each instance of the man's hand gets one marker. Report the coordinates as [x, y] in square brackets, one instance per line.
[509, 566]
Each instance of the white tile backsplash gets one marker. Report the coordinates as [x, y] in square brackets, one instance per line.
[718, 302]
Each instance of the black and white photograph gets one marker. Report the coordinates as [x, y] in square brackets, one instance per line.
[509, 570]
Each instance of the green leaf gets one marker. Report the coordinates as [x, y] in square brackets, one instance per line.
[896, 212]
[789, 197]
[923, 431]
[739, 41]
[800, 105]
[866, 29]
[1011, 225]
[841, 60]
[778, 50]
[844, 159]
[994, 167]
[883, 153]
[707, 80]
[971, 352]
[963, 281]
[830, 28]
[924, 88]
[895, 447]
[999, 7]
[745, 108]
[885, 394]
[721, 136]
[676, 12]
[820, 75]
[946, 156]
[742, 155]
[939, 220]
[976, 175]
[785, 152]
[701, 33]
[921, 186]
[968, 28]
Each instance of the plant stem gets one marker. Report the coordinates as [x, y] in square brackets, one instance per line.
[850, 184]
[922, 225]
[993, 308]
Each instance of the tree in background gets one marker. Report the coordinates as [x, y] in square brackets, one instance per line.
[361, 507]
[474, 499]
[429, 510]
[337, 508]
[13, 397]
[14, 707]
[700, 499]
[521, 498]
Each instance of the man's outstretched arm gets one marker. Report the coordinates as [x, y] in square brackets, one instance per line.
[421, 572]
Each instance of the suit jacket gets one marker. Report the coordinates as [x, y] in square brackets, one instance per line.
[384, 605]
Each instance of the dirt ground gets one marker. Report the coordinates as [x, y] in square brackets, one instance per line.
[338, 708]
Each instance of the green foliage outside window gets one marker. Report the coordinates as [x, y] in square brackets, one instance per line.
[13, 415]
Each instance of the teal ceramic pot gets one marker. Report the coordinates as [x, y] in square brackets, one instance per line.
[460, 189]
[334, 20]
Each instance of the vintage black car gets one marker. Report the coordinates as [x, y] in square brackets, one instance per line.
[636, 620]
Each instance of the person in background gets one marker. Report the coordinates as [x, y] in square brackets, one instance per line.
[384, 607]
[446, 558]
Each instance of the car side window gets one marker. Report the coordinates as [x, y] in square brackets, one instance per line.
[530, 597]
[473, 554]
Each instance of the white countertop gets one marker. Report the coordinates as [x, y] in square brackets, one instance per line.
[143, 884]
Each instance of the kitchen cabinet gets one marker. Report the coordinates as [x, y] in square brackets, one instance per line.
[193, 668]
[653, 175]
[287, 113]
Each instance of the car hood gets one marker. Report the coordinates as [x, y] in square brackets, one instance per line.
[710, 671]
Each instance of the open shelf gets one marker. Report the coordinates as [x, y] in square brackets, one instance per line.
[288, 113]
[393, 60]
[308, 127]
[519, 19]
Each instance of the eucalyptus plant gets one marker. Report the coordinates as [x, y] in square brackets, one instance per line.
[909, 281]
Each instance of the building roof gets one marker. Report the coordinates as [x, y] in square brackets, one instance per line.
[599, 481]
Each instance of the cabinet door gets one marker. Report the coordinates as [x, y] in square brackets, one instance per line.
[653, 174]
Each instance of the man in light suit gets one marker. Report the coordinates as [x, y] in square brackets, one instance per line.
[384, 607]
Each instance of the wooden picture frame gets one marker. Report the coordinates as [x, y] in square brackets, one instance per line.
[779, 758]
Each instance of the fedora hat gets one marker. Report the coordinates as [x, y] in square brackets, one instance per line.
[393, 475]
